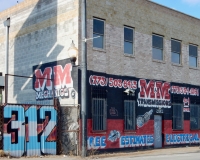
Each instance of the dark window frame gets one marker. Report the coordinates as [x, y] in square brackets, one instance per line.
[99, 34]
[175, 52]
[193, 56]
[127, 127]
[197, 117]
[129, 41]
[157, 47]
[175, 117]
[102, 121]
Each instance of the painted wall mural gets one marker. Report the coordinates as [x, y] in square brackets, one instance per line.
[114, 135]
[112, 82]
[186, 93]
[152, 97]
[154, 94]
[143, 119]
[59, 74]
[136, 141]
[125, 141]
[29, 130]
[98, 142]
[181, 138]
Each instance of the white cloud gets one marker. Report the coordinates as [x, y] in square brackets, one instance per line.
[192, 2]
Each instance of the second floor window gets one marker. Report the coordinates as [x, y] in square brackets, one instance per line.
[98, 33]
[128, 40]
[157, 48]
[176, 51]
[193, 52]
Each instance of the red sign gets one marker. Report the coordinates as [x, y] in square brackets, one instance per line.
[154, 94]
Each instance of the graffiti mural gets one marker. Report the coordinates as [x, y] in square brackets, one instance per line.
[29, 130]
[181, 138]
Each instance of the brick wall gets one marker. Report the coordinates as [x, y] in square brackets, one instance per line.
[146, 18]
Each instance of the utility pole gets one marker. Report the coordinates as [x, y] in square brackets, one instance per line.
[83, 78]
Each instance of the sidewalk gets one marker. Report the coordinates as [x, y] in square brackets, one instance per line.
[153, 152]
[111, 156]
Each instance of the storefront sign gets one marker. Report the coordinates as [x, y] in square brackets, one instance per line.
[154, 94]
[111, 82]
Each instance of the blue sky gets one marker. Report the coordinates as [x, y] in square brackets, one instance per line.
[191, 7]
[4, 4]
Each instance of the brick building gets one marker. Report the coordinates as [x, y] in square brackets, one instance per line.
[142, 67]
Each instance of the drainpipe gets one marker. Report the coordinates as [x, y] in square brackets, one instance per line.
[7, 25]
[83, 78]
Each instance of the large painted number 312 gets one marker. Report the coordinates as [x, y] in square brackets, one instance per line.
[30, 129]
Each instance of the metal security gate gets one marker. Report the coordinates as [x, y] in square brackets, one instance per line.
[157, 131]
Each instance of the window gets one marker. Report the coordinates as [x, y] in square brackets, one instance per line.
[157, 49]
[193, 55]
[176, 51]
[194, 117]
[98, 33]
[99, 115]
[128, 40]
[129, 114]
[177, 116]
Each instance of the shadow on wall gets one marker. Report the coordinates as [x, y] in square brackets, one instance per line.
[31, 129]
[35, 43]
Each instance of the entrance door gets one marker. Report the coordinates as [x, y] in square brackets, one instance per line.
[157, 131]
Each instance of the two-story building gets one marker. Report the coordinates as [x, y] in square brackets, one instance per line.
[143, 73]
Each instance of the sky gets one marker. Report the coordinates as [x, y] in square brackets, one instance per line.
[191, 7]
[4, 4]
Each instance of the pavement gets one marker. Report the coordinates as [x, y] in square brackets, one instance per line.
[141, 154]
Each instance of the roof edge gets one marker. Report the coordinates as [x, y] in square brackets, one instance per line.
[174, 10]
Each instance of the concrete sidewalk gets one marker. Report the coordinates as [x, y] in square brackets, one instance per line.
[112, 156]
[152, 152]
